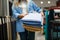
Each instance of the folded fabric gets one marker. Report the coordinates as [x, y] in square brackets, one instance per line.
[31, 23]
[32, 19]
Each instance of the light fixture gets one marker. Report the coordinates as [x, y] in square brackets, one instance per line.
[41, 2]
[49, 2]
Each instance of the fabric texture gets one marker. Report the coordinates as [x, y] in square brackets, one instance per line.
[32, 19]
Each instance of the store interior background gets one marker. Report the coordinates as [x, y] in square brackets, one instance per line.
[45, 4]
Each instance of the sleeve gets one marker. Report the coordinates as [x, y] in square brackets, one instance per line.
[36, 8]
[15, 13]
[30, 8]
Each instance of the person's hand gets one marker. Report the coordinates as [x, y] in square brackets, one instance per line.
[42, 13]
[22, 15]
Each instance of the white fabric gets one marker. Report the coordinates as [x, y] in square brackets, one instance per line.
[57, 10]
[24, 7]
[33, 17]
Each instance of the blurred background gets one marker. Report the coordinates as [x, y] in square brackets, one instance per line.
[8, 25]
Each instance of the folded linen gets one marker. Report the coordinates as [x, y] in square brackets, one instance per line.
[32, 19]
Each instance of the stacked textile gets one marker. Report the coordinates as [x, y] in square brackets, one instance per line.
[34, 19]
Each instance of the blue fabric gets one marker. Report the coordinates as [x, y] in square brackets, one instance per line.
[33, 7]
[33, 19]
[17, 11]
[33, 24]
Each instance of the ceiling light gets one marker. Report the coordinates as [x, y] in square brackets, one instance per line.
[41, 2]
[49, 2]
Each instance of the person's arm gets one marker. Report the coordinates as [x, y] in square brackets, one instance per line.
[37, 9]
[21, 15]
[42, 13]
[16, 14]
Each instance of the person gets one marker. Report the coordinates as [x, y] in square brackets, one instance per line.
[18, 13]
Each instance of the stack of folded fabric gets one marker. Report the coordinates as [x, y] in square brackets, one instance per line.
[33, 22]
[34, 19]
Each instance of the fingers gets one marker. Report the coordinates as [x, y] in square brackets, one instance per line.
[22, 15]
